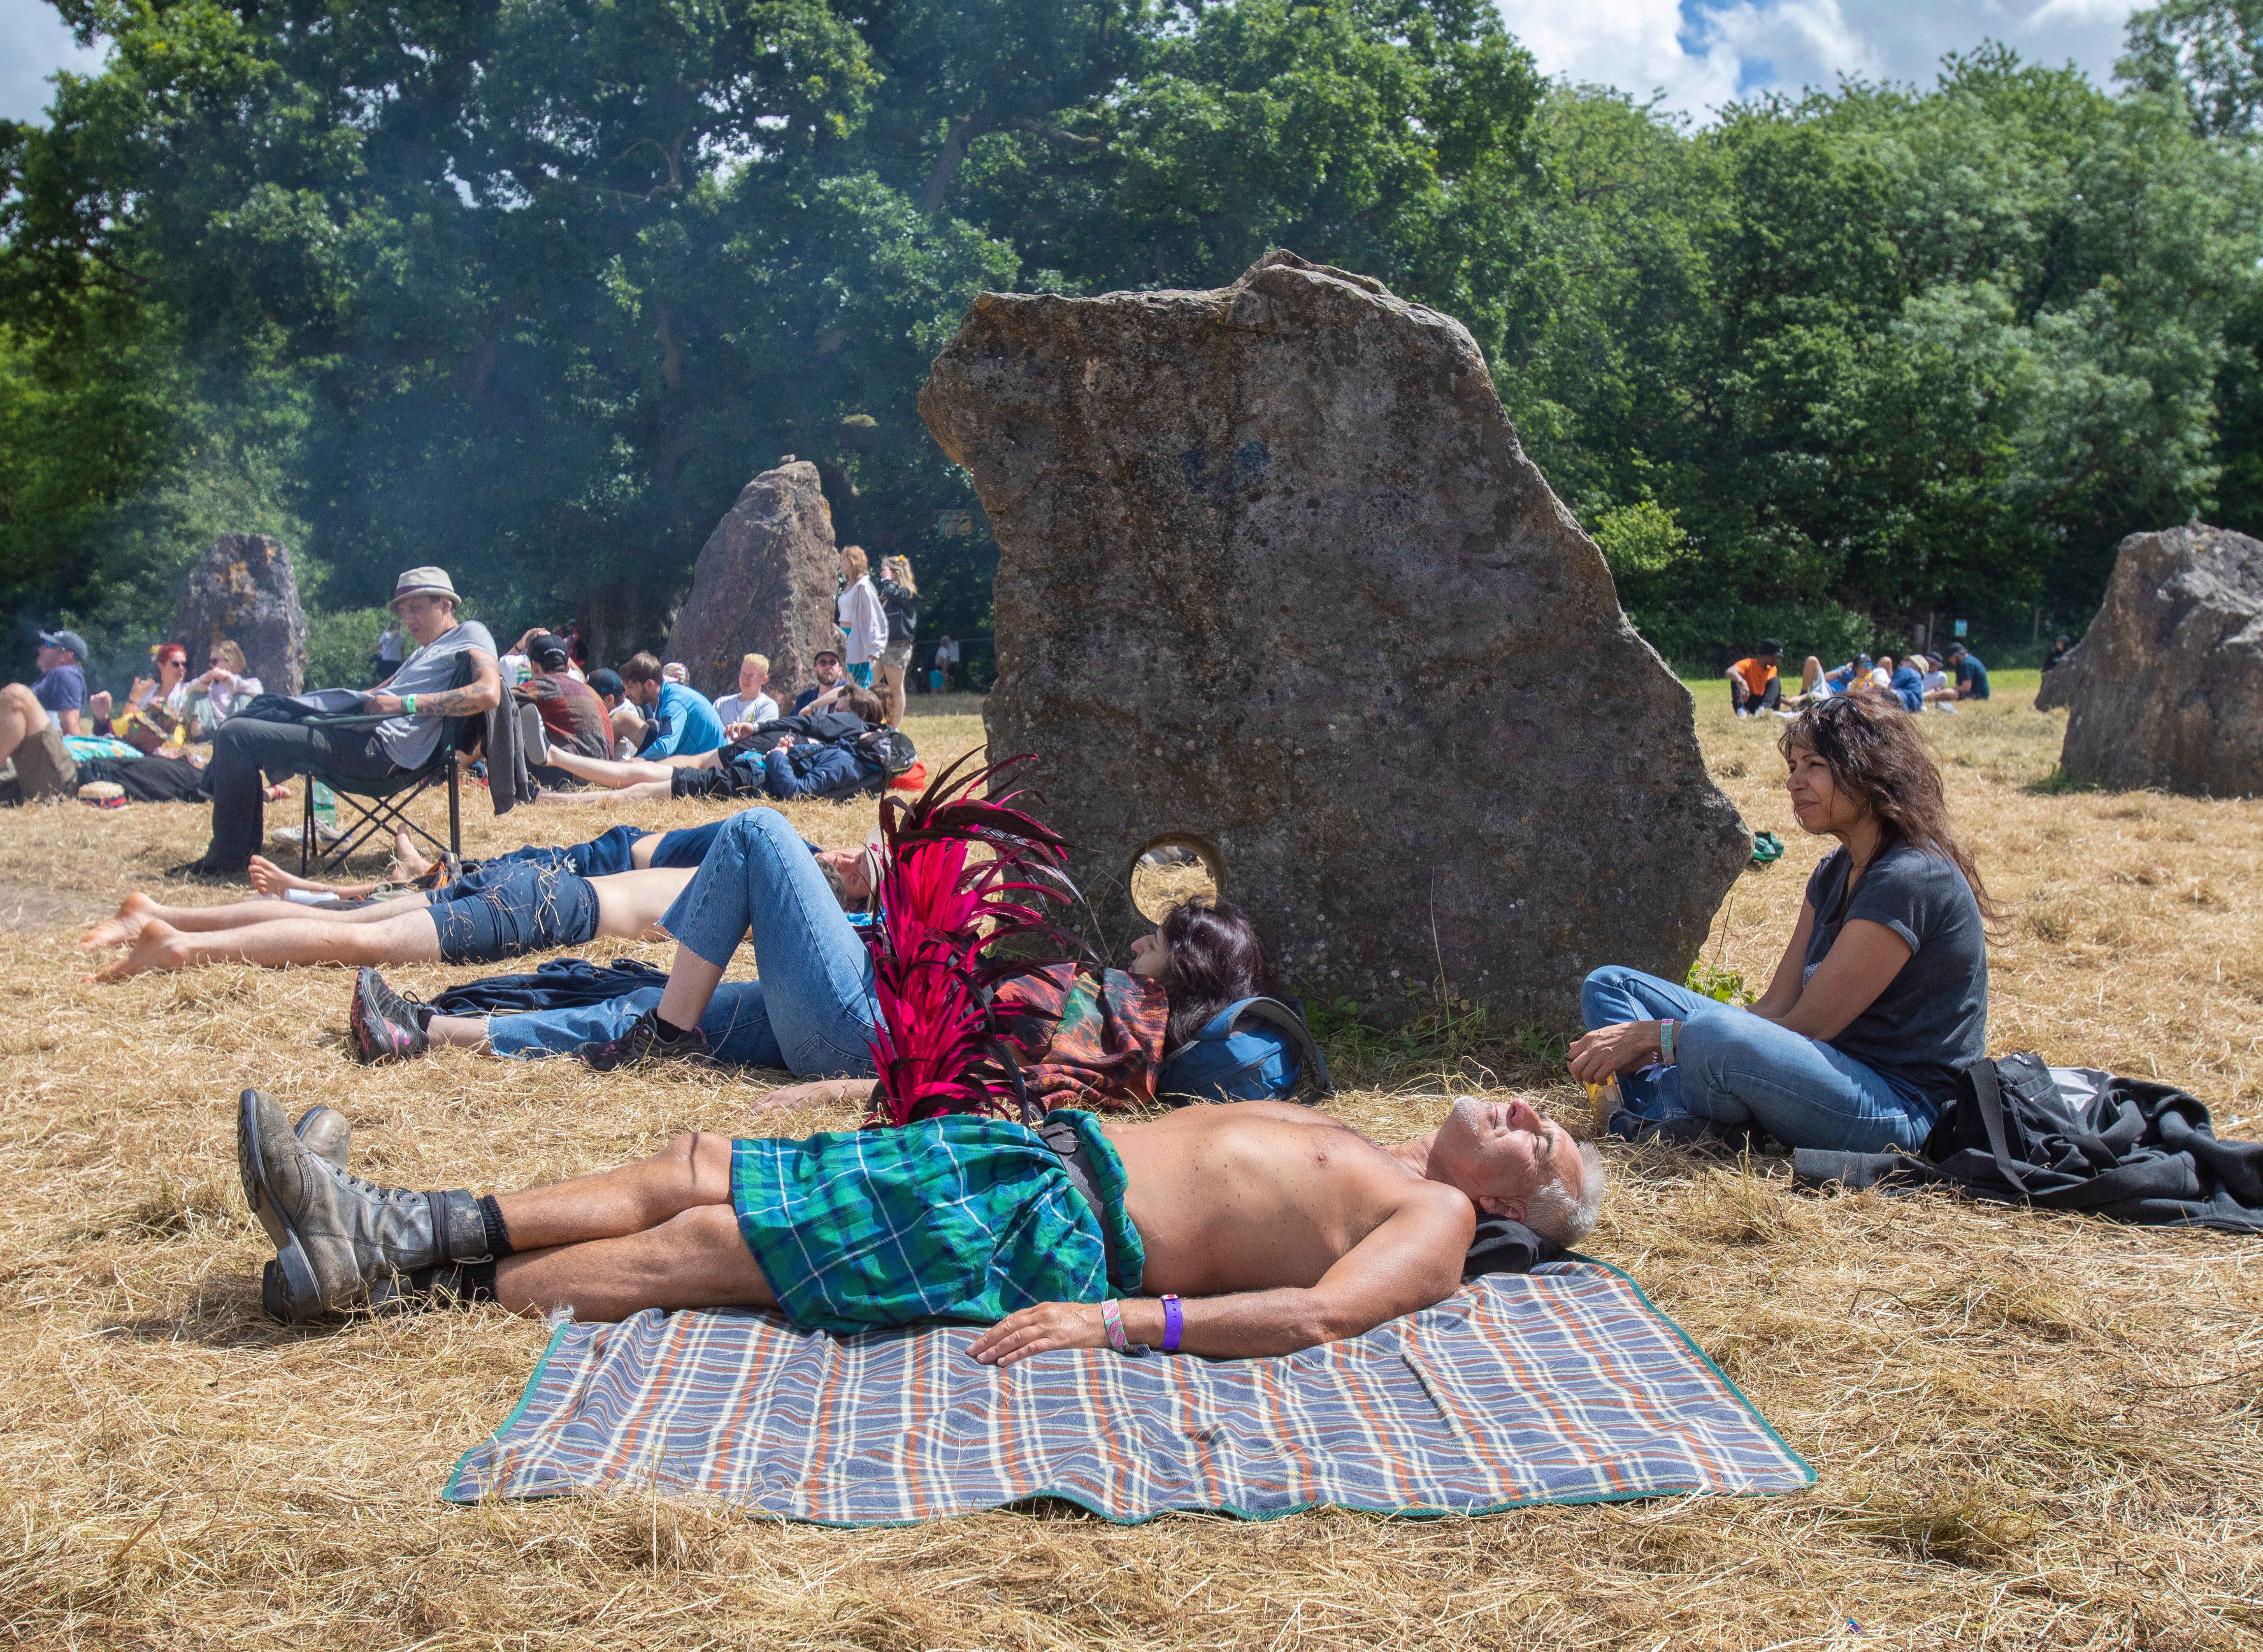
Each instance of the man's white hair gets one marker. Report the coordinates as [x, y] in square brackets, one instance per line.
[1556, 1215]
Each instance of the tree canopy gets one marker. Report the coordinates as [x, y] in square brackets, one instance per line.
[532, 287]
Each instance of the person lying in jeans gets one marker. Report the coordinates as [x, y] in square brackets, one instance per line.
[1881, 996]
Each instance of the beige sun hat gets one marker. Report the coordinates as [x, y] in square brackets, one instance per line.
[417, 581]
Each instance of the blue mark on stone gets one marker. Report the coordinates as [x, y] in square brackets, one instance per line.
[1251, 461]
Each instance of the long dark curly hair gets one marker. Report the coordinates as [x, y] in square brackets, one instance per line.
[1877, 757]
[1215, 959]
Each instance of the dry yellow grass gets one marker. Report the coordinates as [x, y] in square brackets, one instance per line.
[2030, 1431]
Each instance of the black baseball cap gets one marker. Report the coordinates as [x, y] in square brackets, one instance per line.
[69, 639]
[607, 681]
[1770, 645]
[546, 651]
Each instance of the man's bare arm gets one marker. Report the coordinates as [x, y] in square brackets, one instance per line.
[483, 696]
[1412, 1260]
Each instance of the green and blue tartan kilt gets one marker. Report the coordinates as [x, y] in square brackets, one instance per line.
[955, 1218]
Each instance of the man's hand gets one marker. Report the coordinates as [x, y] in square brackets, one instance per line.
[814, 1093]
[1609, 1052]
[384, 704]
[737, 730]
[1036, 1329]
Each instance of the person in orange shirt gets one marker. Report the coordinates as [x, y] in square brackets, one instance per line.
[1754, 684]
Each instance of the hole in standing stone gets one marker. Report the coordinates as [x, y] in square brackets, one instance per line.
[1173, 869]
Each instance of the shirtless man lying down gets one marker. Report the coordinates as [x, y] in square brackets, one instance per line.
[1281, 1227]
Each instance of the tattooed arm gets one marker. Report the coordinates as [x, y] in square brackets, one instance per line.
[483, 696]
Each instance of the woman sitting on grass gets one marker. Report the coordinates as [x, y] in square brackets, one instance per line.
[1881, 996]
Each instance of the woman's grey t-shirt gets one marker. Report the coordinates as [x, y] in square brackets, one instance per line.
[409, 740]
[1931, 1020]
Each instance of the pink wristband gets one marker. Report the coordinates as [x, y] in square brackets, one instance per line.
[1112, 1317]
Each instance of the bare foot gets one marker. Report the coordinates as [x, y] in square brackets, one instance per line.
[120, 930]
[407, 864]
[271, 879]
[158, 947]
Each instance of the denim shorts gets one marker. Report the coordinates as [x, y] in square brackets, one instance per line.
[507, 908]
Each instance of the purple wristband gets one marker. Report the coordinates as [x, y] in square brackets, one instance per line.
[1173, 1323]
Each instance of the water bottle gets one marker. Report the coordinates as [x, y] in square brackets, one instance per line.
[326, 811]
[1604, 1100]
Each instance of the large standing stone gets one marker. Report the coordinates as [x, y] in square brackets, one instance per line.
[2171, 689]
[1275, 574]
[243, 589]
[764, 584]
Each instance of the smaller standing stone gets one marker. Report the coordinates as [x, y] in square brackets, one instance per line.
[2169, 692]
[244, 589]
[764, 584]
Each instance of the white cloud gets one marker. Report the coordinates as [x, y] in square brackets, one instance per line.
[1701, 53]
[1637, 45]
[1813, 33]
[33, 44]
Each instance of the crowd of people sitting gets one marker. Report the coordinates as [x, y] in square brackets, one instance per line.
[1916, 683]
[637, 731]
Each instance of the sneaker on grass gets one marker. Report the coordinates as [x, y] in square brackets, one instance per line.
[388, 1025]
[642, 1043]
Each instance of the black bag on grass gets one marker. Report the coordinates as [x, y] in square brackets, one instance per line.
[2020, 1131]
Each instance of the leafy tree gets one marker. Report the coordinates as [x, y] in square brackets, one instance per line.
[1879, 353]
[2208, 54]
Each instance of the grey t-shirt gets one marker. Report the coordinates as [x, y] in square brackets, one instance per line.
[1931, 1020]
[409, 740]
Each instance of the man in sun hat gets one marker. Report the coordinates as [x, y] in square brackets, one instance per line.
[413, 702]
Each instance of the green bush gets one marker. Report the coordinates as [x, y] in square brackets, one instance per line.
[339, 646]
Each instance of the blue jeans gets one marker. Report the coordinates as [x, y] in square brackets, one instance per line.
[1741, 1070]
[601, 857]
[611, 852]
[816, 976]
[737, 1025]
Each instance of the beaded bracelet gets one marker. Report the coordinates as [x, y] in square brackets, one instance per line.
[1173, 1323]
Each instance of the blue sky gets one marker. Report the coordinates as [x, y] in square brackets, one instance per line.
[1699, 52]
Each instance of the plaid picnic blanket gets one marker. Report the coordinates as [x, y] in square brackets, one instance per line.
[1564, 1385]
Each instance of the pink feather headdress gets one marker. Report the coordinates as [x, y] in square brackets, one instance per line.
[939, 1045]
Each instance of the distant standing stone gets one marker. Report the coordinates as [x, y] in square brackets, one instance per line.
[243, 588]
[2169, 692]
[1275, 574]
[764, 584]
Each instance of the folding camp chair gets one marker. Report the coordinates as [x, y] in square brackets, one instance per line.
[381, 805]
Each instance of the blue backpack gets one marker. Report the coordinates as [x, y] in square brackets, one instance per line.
[1253, 1050]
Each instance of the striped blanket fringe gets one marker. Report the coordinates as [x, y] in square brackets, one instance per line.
[1564, 1385]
